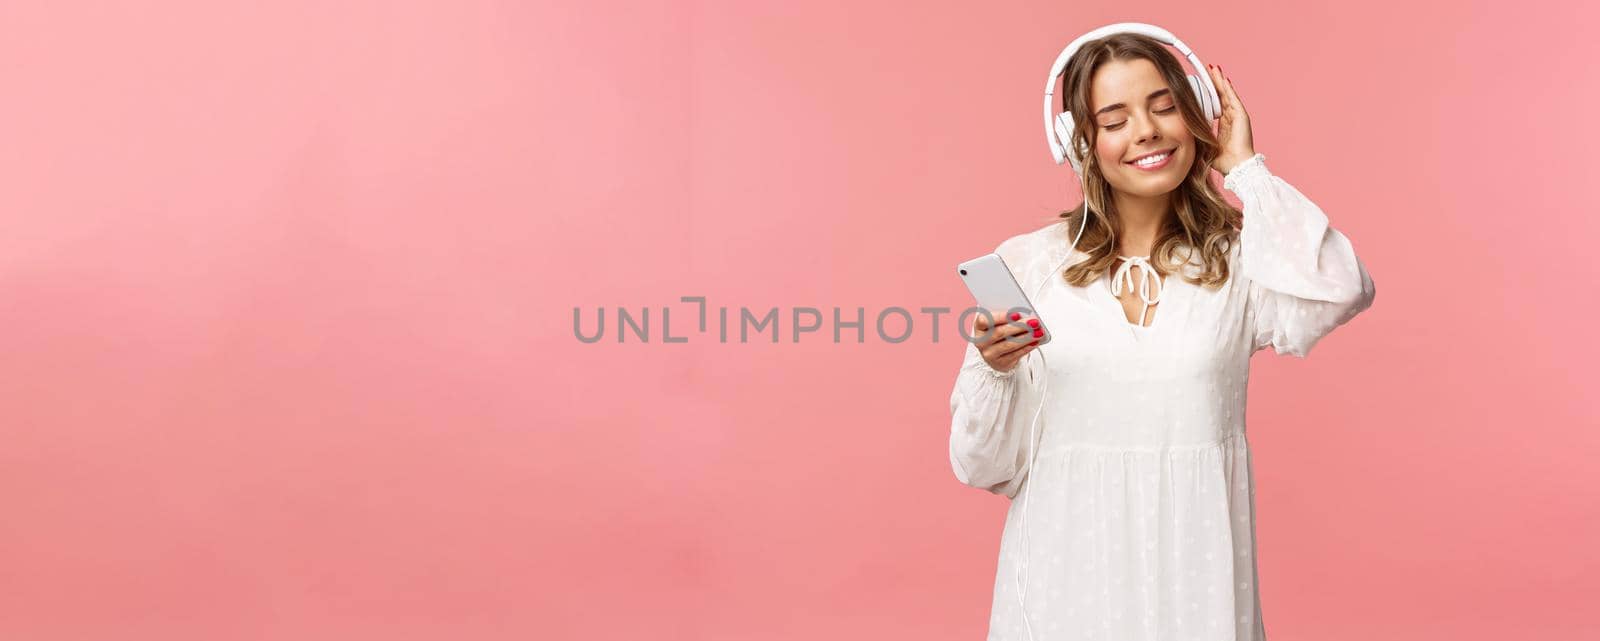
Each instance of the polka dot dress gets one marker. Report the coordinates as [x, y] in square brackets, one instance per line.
[1141, 523]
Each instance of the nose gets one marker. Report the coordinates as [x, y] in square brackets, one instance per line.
[1147, 131]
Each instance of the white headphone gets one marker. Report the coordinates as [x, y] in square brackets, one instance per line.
[1058, 132]
[1058, 128]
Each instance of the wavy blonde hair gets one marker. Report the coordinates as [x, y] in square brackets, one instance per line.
[1204, 221]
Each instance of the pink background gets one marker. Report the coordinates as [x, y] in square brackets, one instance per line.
[288, 294]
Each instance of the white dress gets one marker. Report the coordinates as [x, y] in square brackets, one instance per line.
[1143, 527]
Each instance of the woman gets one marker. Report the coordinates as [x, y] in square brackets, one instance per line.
[1143, 527]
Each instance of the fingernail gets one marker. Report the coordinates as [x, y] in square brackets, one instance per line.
[1033, 322]
[1038, 333]
[1015, 316]
[1033, 343]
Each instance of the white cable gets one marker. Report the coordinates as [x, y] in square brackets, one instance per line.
[1033, 446]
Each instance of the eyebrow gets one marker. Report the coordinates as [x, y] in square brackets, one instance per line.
[1119, 105]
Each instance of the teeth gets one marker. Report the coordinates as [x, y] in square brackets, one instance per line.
[1146, 162]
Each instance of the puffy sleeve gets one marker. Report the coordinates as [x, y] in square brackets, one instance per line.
[991, 411]
[1304, 277]
[990, 414]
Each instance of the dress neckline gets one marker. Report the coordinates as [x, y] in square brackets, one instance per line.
[1149, 284]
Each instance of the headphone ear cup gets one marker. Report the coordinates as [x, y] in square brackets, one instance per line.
[1209, 107]
[1064, 129]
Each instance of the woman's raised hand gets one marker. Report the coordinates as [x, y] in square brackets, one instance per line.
[1009, 341]
[1233, 128]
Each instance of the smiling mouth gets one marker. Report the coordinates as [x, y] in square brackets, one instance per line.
[1164, 156]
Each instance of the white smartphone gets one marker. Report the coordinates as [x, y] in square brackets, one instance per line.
[993, 287]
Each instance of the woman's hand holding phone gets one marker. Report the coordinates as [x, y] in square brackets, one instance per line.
[1010, 340]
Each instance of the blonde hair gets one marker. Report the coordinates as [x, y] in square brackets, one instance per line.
[1204, 221]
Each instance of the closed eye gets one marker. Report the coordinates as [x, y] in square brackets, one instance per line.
[1159, 111]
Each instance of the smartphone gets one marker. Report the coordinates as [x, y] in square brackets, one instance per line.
[993, 287]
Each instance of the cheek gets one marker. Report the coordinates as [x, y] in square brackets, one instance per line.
[1109, 149]
[1180, 134]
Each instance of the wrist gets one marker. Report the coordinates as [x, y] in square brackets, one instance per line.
[1255, 164]
[1228, 169]
[984, 366]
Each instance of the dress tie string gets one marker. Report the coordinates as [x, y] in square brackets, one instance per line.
[1125, 273]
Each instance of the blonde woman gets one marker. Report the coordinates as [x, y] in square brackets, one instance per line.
[1143, 527]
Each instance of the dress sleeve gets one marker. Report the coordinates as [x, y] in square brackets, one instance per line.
[1304, 277]
[990, 415]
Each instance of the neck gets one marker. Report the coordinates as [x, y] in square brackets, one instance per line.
[1141, 217]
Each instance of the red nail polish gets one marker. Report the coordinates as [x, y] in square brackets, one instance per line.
[1038, 333]
[1015, 316]
[1033, 343]
[1033, 322]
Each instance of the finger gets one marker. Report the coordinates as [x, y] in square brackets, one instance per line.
[1224, 103]
[1217, 79]
[1024, 325]
[1007, 346]
[1012, 333]
[999, 319]
[1224, 88]
[1009, 358]
[1018, 332]
[1233, 96]
[1017, 355]
[985, 319]
[993, 317]
[1032, 329]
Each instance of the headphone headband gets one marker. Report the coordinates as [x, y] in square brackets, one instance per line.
[1058, 128]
